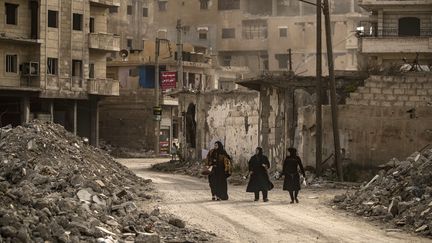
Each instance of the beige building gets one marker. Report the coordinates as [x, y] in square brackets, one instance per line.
[53, 62]
[395, 31]
[257, 34]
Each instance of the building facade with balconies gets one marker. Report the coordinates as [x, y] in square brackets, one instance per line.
[53, 62]
[398, 31]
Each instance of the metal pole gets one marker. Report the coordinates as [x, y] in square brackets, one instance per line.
[318, 141]
[333, 90]
[157, 128]
[290, 59]
[179, 55]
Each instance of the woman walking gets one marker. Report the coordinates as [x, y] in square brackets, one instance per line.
[220, 162]
[259, 179]
[292, 177]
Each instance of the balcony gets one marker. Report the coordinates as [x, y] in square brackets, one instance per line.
[371, 3]
[107, 87]
[105, 3]
[104, 41]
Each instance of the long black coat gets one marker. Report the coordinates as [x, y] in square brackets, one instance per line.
[290, 171]
[259, 179]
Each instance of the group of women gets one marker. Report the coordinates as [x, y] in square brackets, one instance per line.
[220, 168]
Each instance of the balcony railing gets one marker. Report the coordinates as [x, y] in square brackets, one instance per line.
[367, 29]
[108, 87]
[104, 41]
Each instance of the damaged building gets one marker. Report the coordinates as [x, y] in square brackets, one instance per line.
[53, 62]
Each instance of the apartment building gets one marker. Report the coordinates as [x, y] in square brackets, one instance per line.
[397, 32]
[53, 62]
[258, 34]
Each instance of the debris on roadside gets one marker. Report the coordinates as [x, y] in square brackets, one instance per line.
[54, 187]
[400, 195]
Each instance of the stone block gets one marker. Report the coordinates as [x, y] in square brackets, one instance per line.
[402, 98]
[376, 90]
[410, 103]
[368, 96]
[398, 103]
[370, 84]
[390, 98]
[374, 103]
[414, 98]
[386, 103]
[422, 92]
[398, 91]
[387, 91]
[364, 90]
[410, 92]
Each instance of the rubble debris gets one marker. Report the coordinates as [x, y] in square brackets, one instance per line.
[400, 195]
[54, 187]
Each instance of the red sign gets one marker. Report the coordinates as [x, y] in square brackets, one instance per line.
[168, 80]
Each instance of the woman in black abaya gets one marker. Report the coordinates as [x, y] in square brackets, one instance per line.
[221, 170]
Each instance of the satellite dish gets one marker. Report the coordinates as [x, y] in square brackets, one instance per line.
[124, 53]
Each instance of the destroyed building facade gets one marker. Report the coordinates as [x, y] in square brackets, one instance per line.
[53, 62]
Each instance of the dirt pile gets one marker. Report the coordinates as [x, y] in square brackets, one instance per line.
[56, 188]
[400, 194]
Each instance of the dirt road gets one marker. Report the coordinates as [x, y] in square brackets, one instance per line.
[242, 220]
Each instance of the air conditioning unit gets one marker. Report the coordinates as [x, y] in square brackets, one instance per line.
[30, 69]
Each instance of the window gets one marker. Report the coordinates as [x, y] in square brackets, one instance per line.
[11, 13]
[265, 62]
[226, 61]
[283, 32]
[129, 10]
[91, 70]
[52, 66]
[409, 26]
[77, 21]
[228, 4]
[113, 10]
[254, 29]
[145, 12]
[228, 33]
[129, 43]
[77, 70]
[12, 63]
[163, 5]
[92, 25]
[204, 4]
[282, 60]
[52, 19]
[203, 35]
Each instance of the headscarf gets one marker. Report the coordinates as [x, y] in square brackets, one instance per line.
[260, 151]
[292, 151]
[221, 149]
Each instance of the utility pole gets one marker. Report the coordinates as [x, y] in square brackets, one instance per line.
[318, 134]
[179, 55]
[333, 90]
[157, 104]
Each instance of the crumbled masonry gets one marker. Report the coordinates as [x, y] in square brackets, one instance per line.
[400, 195]
[56, 188]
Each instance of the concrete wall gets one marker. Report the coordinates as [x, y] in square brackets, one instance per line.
[370, 135]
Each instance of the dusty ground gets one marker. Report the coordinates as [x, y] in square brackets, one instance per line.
[242, 220]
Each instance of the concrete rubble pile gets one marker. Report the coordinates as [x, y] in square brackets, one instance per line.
[400, 194]
[56, 188]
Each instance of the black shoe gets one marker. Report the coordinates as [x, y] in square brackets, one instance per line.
[297, 201]
[256, 199]
[291, 202]
[265, 200]
[214, 198]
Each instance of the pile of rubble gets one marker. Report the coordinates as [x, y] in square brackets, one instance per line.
[400, 194]
[56, 188]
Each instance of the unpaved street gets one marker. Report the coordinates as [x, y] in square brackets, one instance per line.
[242, 220]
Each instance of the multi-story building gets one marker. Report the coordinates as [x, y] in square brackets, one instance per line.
[257, 34]
[396, 32]
[53, 62]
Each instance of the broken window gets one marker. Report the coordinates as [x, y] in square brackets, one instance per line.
[145, 12]
[129, 10]
[282, 60]
[265, 61]
[341, 6]
[91, 70]
[226, 61]
[92, 25]
[113, 10]
[254, 29]
[204, 4]
[228, 33]
[288, 7]
[52, 66]
[226, 85]
[228, 4]
[203, 35]
[52, 19]
[283, 32]
[11, 13]
[77, 69]
[409, 26]
[259, 7]
[129, 44]
[163, 5]
[12, 63]
[77, 21]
